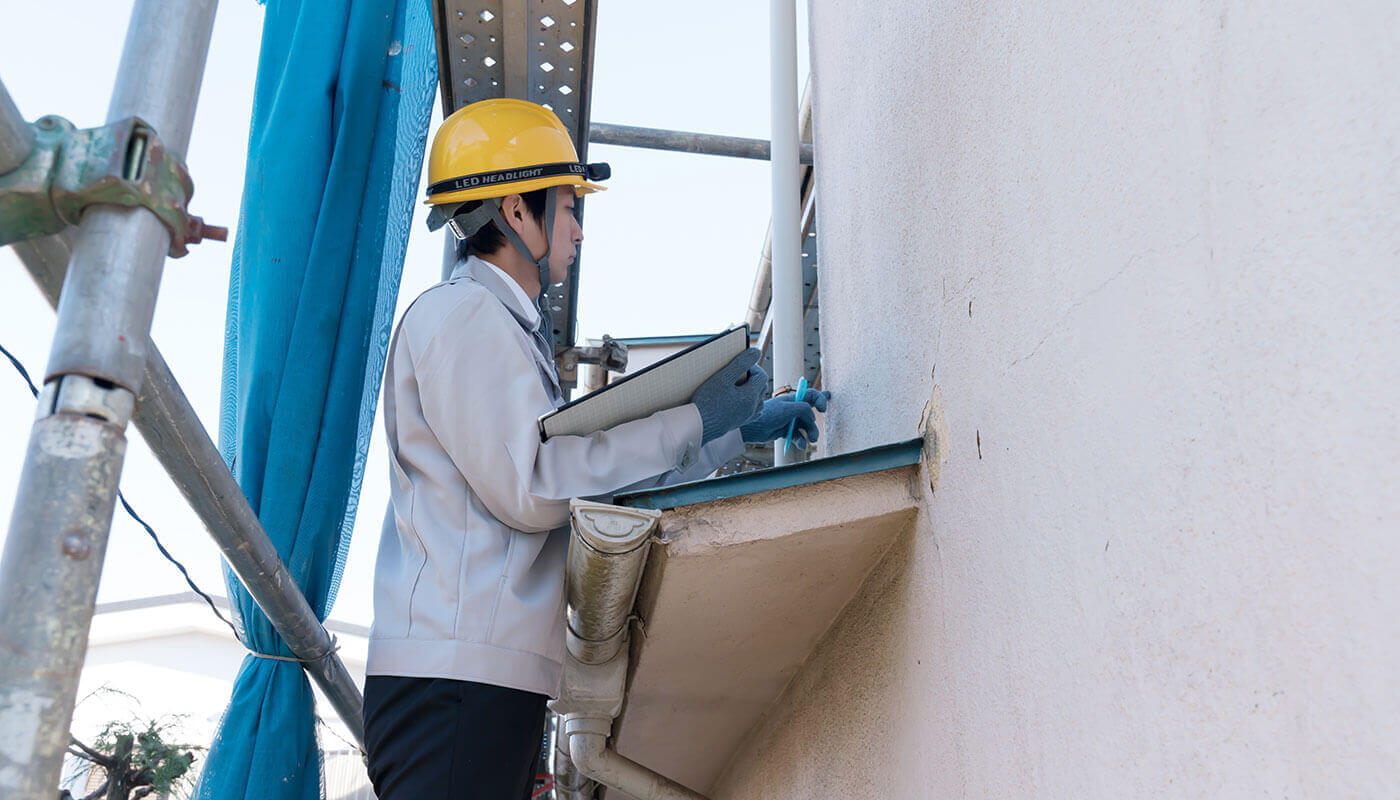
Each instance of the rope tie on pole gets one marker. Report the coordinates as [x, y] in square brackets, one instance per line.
[332, 650]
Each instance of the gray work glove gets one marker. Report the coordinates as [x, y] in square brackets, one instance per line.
[772, 422]
[732, 396]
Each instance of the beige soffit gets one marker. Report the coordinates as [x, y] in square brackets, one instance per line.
[734, 599]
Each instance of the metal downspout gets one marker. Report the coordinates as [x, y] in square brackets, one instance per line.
[590, 752]
[569, 782]
[608, 548]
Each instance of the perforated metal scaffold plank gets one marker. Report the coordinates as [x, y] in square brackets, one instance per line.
[536, 50]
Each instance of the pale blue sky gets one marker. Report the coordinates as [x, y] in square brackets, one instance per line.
[670, 248]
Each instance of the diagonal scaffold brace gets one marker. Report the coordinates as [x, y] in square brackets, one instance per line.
[63, 508]
[104, 372]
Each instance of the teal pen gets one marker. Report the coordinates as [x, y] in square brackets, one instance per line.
[801, 393]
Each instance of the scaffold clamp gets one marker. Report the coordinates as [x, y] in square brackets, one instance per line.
[122, 163]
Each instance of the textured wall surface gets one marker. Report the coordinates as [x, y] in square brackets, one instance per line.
[1150, 255]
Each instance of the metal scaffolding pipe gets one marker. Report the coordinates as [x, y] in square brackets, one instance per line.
[63, 509]
[169, 424]
[685, 142]
[16, 137]
[171, 427]
[48, 583]
[788, 347]
[762, 292]
[104, 317]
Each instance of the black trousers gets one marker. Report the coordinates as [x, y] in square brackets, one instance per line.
[439, 738]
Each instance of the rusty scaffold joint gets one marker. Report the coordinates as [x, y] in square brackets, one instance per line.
[121, 164]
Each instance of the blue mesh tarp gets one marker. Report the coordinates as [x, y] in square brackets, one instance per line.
[340, 116]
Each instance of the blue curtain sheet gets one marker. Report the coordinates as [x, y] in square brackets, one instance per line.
[340, 116]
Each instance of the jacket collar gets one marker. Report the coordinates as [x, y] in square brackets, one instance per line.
[503, 287]
[510, 295]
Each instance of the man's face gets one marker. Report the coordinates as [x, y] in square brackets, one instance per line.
[567, 232]
[563, 248]
[567, 236]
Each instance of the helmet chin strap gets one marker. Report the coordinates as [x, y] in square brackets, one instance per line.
[546, 329]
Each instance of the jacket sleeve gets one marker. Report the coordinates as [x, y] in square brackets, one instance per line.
[481, 395]
[713, 455]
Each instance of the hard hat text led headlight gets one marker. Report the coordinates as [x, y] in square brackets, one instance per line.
[592, 172]
[504, 146]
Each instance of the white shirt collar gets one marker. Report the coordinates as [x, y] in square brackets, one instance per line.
[526, 305]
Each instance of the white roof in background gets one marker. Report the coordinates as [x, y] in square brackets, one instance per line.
[186, 615]
[179, 598]
[168, 657]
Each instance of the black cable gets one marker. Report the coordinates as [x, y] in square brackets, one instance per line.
[168, 557]
[322, 722]
[24, 373]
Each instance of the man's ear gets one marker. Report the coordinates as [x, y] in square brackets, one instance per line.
[514, 211]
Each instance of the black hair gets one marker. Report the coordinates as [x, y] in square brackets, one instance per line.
[490, 239]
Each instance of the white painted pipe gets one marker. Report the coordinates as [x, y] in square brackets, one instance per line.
[786, 228]
[762, 293]
[569, 782]
[590, 754]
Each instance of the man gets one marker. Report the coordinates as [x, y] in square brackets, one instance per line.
[468, 636]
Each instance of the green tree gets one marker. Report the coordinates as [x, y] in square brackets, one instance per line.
[137, 762]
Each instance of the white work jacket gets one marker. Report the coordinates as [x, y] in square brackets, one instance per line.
[469, 583]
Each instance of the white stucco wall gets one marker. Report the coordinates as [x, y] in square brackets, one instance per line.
[1150, 255]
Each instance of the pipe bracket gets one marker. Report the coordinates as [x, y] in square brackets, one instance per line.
[122, 163]
[592, 690]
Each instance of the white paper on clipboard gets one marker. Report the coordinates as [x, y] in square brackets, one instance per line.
[666, 384]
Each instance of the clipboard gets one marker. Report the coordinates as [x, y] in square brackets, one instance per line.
[668, 383]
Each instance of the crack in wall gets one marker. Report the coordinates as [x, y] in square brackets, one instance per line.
[1136, 257]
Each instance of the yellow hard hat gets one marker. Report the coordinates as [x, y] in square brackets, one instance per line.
[500, 147]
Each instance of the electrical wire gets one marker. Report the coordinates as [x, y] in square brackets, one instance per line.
[24, 373]
[322, 722]
[173, 560]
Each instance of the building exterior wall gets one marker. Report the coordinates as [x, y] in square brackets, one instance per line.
[1149, 255]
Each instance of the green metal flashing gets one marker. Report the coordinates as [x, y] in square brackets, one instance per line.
[684, 339]
[876, 459]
